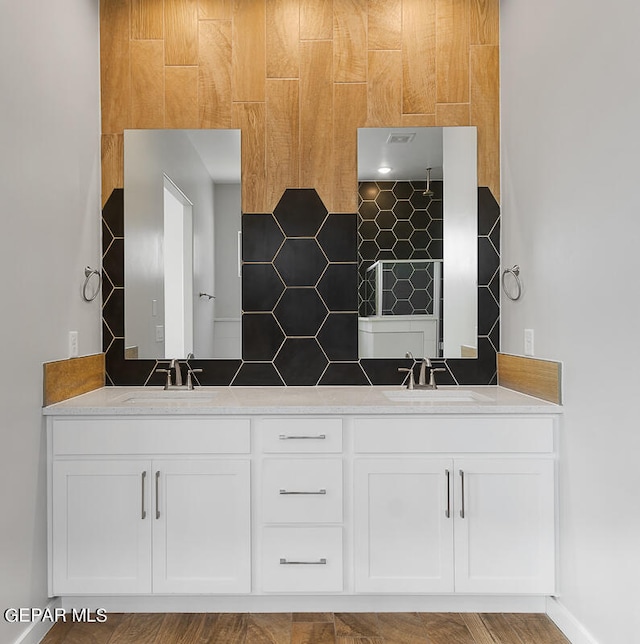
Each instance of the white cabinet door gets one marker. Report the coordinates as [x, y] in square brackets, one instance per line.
[201, 534]
[403, 536]
[504, 526]
[101, 530]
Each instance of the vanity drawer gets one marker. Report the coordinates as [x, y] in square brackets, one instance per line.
[162, 435]
[302, 560]
[490, 434]
[302, 490]
[301, 435]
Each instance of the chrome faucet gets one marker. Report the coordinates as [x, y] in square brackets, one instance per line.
[191, 371]
[411, 383]
[432, 374]
[422, 378]
[422, 383]
[175, 364]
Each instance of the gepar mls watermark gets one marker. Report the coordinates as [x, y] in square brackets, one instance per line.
[30, 615]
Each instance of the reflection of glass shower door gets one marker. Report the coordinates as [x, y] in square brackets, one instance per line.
[404, 287]
[178, 272]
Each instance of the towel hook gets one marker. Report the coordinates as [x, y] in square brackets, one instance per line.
[88, 274]
[515, 272]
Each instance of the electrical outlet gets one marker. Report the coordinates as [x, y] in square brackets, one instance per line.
[159, 333]
[528, 342]
[73, 344]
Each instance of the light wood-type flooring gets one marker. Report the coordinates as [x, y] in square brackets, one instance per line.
[311, 628]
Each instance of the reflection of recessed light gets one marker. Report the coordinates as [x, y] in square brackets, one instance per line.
[384, 170]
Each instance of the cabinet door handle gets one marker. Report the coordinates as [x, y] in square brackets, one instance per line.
[320, 562]
[462, 494]
[158, 494]
[320, 491]
[143, 512]
[448, 510]
[317, 437]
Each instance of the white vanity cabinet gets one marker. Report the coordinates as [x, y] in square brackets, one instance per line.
[454, 505]
[318, 498]
[146, 506]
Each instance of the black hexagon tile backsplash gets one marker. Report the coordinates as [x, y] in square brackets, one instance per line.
[261, 287]
[261, 238]
[300, 312]
[301, 291]
[300, 262]
[300, 212]
[301, 361]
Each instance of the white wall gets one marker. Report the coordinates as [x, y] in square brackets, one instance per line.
[571, 220]
[49, 181]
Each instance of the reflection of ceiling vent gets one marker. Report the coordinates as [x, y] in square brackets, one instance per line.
[401, 137]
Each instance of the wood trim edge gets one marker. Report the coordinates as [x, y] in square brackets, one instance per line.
[64, 379]
[532, 376]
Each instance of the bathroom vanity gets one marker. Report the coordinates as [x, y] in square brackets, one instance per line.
[302, 498]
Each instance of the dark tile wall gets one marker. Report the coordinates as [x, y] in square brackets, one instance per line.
[300, 302]
[298, 289]
[396, 221]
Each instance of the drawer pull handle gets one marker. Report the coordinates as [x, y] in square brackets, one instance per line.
[317, 437]
[157, 495]
[143, 513]
[320, 562]
[448, 510]
[320, 491]
[462, 494]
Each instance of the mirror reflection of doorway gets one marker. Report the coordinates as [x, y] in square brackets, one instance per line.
[178, 271]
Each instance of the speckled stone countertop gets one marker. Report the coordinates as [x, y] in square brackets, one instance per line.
[378, 400]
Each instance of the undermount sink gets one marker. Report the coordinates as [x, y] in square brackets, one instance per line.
[434, 395]
[167, 396]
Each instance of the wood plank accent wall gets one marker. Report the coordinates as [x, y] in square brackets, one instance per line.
[540, 378]
[65, 379]
[298, 78]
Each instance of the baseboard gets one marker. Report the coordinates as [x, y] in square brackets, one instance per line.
[573, 630]
[309, 603]
[37, 630]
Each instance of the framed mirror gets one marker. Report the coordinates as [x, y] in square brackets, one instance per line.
[417, 242]
[182, 222]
